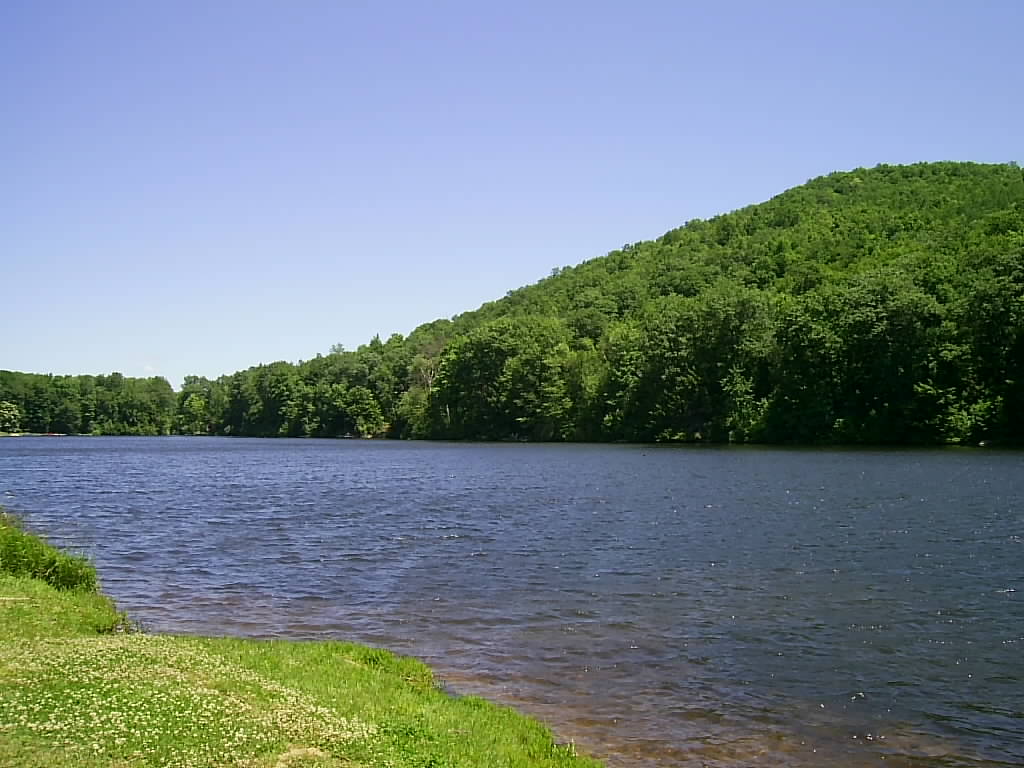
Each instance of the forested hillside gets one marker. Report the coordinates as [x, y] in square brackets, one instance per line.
[881, 305]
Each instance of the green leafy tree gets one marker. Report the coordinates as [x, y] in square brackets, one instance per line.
[195, 417]
[10, 417]
[364, 412]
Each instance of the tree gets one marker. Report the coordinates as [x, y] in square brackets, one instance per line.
[364, 412]
[194, 416]
[10, 417]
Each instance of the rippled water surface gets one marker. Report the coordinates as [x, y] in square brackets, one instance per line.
[656, 605]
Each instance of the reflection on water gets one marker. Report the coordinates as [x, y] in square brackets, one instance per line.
[657, 606]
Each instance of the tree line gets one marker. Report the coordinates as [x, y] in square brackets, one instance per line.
[99, 405]
[881, 305]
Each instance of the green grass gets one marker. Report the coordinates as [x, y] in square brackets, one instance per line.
[30, 609]
[78, 689]
[23, 554]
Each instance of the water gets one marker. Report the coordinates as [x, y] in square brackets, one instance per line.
[656, 605]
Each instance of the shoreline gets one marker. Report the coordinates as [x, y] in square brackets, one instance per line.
[1006, 445]
[81, 686]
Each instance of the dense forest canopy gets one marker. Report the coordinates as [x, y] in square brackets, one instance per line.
[881, 305]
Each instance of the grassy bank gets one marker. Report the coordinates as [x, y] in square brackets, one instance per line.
[78, 687]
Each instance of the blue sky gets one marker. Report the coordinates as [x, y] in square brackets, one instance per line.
[197, 187]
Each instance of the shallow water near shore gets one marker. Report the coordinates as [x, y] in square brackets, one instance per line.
[656, 605]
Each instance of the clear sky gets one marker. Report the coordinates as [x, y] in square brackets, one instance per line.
[197, 187]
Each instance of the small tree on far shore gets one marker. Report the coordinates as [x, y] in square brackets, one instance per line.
[10, 416]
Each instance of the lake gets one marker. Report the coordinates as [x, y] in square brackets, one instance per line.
[657, 605]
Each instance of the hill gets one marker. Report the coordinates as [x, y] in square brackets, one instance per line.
[881, 305]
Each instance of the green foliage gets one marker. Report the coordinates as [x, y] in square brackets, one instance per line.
[24, 554]
[111, 405]
[871, 306]
[10, 417]
[504, 380]
[879, 305]
[364, 411]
